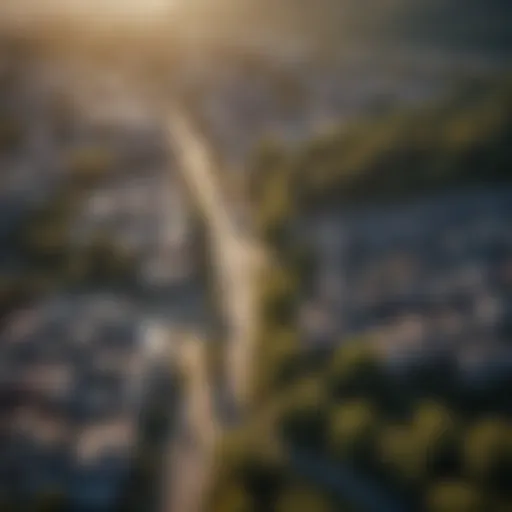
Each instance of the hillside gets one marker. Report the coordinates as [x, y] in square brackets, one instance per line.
[406, 152]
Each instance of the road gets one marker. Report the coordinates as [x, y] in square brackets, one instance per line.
[235, 258]
[190, 452]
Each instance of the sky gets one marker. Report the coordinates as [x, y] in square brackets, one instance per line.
[482, 26]
[90, 10]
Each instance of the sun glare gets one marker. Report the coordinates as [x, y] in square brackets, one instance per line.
[102, 11]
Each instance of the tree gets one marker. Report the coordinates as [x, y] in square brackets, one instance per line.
[425, 448]
[454, 496]
[435, 376]
[270, 188]
[488, 453]
[304, 417]
[248, 458]
[355, 371]
[233, 498]
[353, 428]
[267, 158]
[453, 142]
[302, 499]
[278, 341]
[302, 259]
[278, 296]
[279, 358]
[395, 451]
[435, 435]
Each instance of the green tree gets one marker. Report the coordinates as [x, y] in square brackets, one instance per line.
[303, 419]
[456, 496]
[280, 361]
[353, 429]
[278, 341]
[488, 452]
[278, 296]
[302, 260]
[252, 460]
[302, 499]
[436, 440]
[395, 451]
[407, 153]
[267, 160]
[355, 370]
[233, 498]
[427, 447]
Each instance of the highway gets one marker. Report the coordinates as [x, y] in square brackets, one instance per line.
[234, 255]
[235, 259]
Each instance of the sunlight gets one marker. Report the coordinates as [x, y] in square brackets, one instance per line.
[120, 8]
[95, 11]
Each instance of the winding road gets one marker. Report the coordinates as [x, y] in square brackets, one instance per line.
[235, 256]
[236, 261]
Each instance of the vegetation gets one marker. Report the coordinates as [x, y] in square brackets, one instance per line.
[427, 436]
[46, 256]
[297, 499]
[465, 139]
[454, 497]
[427, 455]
